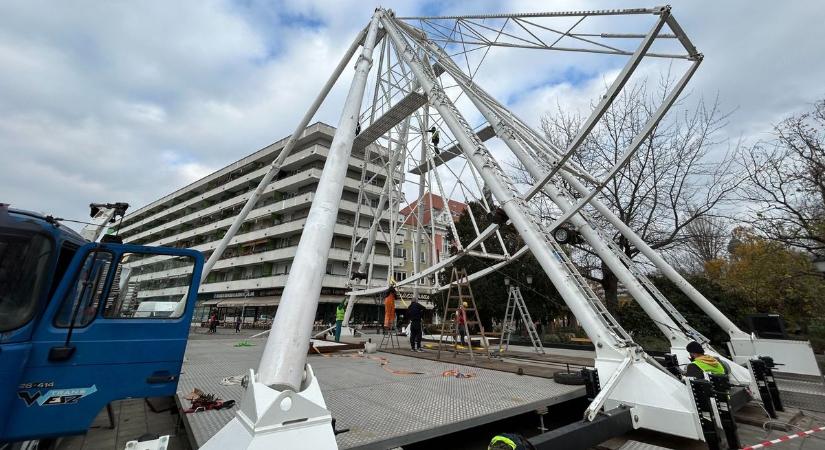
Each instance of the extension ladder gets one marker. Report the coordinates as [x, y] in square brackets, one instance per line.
[460, 293]
[515, 301]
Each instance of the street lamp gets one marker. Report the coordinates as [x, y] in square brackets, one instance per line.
[529, 279]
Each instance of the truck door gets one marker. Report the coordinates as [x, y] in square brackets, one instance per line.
[90, 347]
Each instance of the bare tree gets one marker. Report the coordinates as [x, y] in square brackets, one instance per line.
[786, 182]
[672, 181]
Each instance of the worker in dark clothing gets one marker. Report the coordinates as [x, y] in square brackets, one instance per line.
[415, 312]
[702, 363]
[435, 139]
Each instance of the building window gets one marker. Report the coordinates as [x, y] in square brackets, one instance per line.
[399, 276]
[400, 252]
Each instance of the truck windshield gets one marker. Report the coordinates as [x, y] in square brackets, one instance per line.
[24, 259]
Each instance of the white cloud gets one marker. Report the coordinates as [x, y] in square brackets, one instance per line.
[95, 97]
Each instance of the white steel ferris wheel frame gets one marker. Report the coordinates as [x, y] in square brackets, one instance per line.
[283, 402]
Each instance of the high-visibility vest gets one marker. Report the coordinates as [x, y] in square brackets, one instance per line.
[340, 311]
[502, 440]
[715, 367]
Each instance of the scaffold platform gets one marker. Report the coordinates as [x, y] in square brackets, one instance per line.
[386, 400]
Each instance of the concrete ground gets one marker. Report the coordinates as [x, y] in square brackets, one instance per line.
[134, 418]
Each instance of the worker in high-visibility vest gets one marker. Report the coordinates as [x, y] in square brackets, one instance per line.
[702, 363]
[340, 312]
[509, 441]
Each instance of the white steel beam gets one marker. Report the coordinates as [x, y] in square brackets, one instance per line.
[284, 357]
[276, 164]
[605, 102]
[631, 150]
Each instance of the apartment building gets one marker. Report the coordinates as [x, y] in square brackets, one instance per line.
[437, 215]
[253, 270]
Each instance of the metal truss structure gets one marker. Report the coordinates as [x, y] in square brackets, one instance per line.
[427, 76]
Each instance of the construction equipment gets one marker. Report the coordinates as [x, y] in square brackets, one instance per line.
[462, 294]
[515, 302]
[64, 316]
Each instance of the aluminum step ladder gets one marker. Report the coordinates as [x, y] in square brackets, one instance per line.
[459, 294]
[515, 302]
[389, 338]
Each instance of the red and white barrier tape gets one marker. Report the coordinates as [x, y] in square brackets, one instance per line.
[784, 438]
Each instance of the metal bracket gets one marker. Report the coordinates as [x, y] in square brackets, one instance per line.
[597, 403]
[585, 434]
[270, 418]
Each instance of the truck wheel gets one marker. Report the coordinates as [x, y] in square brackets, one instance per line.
[568, 378]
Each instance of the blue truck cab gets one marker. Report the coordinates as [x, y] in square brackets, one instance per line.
[70, 341]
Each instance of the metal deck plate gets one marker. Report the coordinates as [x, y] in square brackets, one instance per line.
[802, 393]
[381, 409]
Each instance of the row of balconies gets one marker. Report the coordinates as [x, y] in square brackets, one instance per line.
[318, 132]
[264, 282]
[245, 183]
[280, 230]
[277, 255]
[227, 211]
[217, 229]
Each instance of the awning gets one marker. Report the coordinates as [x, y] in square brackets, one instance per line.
[209, 302]
[406, 303]
[250, 301]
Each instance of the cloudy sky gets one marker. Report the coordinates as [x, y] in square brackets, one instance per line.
[124, 101]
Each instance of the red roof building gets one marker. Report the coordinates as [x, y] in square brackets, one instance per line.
[410, 212]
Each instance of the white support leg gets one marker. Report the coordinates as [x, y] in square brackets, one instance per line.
[269, 418]
[283, 406]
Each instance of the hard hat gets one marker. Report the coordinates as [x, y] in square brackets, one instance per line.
[465, 304]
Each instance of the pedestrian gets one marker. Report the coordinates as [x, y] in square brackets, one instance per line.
[237, 324]
[340, 312]
[415, 312]
[213, 323]
[700, 363]
[461, 321]
[435, 139]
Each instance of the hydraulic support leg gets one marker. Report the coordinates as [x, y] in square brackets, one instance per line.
[721, 392]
